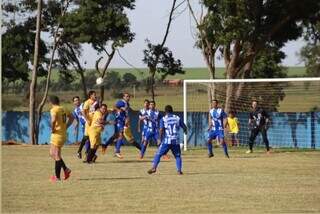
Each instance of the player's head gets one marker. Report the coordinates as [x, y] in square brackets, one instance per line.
[92, 95]
[54, 100]
[103, 108]
[232, 114]
[254, 104]
[215, 103]
[126, 96]
[168, 109]
[146, 103]
[152, 104]
[76, 100]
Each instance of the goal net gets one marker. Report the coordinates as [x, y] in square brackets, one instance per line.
[293, 105]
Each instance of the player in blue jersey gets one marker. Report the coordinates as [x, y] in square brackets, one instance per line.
[143, 118]
[217, 122]
[151, 128]
[169, 134]
[122, 126]
[77, 114]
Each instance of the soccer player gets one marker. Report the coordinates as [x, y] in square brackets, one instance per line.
[95, 130]
[258, 122]
[60, 121]
[217, 122]
[143, 118]
[151, 131]
[88, 110]
[169, 134]
[234, 126]
[77, 114]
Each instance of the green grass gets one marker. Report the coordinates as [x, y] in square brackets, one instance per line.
[283, 182]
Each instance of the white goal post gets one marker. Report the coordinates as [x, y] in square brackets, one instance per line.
[186, 84]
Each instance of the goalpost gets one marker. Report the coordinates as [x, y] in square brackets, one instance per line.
[293, 105]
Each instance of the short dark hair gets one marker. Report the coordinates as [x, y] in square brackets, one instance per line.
[232, 112]
[54, 100]
[124, 93]
[146, 100]
[168, 109]
[215, 100]
[152, 101]
[103, 105]
[254, 101]
[90, 93]
[75, 98]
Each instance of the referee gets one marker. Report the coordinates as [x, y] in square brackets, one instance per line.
[258, 122]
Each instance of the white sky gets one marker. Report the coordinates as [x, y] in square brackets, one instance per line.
[149, 20]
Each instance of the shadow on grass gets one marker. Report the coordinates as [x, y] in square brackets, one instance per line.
[119, 178]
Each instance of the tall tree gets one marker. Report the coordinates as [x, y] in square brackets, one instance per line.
[243, 28]
[33, 84]
[103, 24]
[159, 58]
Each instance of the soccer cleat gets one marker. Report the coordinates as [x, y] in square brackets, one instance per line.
[268, 152]
[67, 173]
[227, 155]
[249, 151]
[79, 155]
[140, 157]
[180, 173]
[118, 155]
[94, 158]
[151, 171]
[210, 155]
[54, 179]
[166, 157]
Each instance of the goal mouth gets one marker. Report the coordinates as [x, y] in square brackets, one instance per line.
[293, 105]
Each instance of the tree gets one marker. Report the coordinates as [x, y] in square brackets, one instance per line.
[243, 28]
[129, 78]
[160, 59]
[310, 53]
[103, 24]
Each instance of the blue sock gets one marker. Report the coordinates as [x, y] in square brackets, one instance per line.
[179, 163]
[87, 146]
[143, 149]
[225, 148]
[156, 160]
[118, 145]
[210, 148]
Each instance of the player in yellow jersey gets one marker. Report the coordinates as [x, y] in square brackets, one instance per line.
[88, 109]
[95, 130]
[60, 121]
[234, 127]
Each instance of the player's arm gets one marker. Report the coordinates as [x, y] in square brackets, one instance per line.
[85, 112]
[161, 130]
[238, 123]
[225, 120]
[70, 119]
[209, 121]
[250, 119]
[53, 122]
[266, 115]
[183, 126]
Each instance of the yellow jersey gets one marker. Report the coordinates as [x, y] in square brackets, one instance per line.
[89, 105]
[59, 136]
[233, 125]
[96, 122]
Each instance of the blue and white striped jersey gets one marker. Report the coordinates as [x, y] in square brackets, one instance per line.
[171, 124]
[77, 114]
[143, 113]
[153, 120]
[217, 115]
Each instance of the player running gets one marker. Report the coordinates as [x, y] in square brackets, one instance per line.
[217, 122]
[60, 121]
[169, 134]
[143, 118]
[79, 118]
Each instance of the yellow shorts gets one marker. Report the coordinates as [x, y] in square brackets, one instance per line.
[58, 140]
[94, 138]
[127, 133]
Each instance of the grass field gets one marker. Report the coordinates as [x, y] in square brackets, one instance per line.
[283, 182]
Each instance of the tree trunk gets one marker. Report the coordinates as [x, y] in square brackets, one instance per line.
[152, 85]
[83, 82]
[33, 84]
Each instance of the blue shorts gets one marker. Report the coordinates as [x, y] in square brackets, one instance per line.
[118, 128]
[151, 136]
[213, 134]
[164, 148]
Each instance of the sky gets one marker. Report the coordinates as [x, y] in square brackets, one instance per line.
[149, 20]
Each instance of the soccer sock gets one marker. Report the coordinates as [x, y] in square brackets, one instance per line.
[225, 148]
[111, 139]
[210, 148]
[156, 161]
[83, 141]
[179, 163]
[250, 145]
[143, 149]
[118, 145]
[58, 168]
[90, 155]
[137, 145]
[63, 165]
[87, 146]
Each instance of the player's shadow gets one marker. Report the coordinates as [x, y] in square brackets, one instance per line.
[114, 178]
[127, 161]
